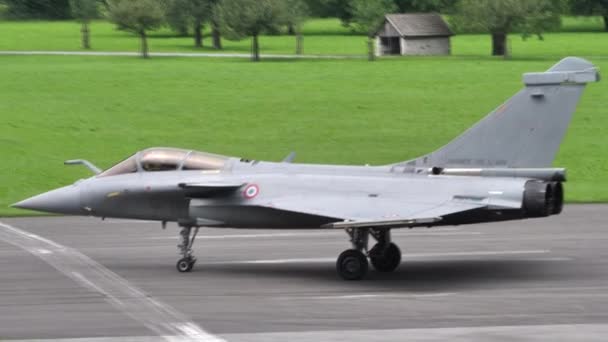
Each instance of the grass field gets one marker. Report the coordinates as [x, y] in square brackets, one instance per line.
[321, 37]
[329, 111]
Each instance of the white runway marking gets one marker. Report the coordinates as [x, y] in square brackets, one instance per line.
[246, 236]
[476, 253]
[382, 295]
[553, 259]
[556, 332]
[273, 261]
[158, 317]
[119, 221]
[405, 256]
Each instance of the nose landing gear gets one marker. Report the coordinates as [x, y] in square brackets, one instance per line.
[186, 263]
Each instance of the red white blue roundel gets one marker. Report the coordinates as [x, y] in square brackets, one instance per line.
[251, 191]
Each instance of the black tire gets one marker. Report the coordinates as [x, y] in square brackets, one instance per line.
[386, 260]
[352, 265]
[184, 265]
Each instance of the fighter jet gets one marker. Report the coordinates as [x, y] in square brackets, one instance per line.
[499, 169]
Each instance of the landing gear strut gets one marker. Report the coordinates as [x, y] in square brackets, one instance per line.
[187, 261]
[385, 256]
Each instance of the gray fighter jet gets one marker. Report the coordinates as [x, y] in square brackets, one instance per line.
[500, 169]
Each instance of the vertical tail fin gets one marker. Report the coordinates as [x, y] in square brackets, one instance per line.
[524, 132]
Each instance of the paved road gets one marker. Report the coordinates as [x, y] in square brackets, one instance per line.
[173, 54]
[543, 279]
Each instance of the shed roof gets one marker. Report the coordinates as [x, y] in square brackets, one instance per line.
[419, 24]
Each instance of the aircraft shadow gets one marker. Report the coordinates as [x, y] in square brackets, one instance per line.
[412, 275]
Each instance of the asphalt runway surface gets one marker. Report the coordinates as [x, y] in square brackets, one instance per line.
[115, 280]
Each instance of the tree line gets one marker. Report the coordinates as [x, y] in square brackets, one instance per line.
[60, 9]
[238, 19]
[231, 19]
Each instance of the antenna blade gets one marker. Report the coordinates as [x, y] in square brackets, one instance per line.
[290, 157]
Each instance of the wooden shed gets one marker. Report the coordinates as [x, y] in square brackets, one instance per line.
[413, 34]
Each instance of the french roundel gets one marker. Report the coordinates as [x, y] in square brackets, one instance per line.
[251, 191]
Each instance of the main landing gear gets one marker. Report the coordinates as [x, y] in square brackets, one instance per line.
[187, 261]
[385, 256]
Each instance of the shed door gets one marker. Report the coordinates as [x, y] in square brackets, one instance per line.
[390, 45]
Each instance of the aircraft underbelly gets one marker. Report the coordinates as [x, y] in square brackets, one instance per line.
[254, 217]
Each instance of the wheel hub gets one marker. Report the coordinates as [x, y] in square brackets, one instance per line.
[351, 265]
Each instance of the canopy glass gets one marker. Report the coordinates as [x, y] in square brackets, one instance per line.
[167, 159]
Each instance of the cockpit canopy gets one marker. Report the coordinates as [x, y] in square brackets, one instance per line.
[167, 159]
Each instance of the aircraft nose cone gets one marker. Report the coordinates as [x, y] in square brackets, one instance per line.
[64, 200]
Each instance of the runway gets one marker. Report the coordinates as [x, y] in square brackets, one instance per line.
[115, 280]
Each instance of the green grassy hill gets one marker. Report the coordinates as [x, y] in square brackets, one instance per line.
[329, 111]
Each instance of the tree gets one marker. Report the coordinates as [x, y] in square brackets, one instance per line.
[200, 11]
[343, 9]
[295, 15]
[137, 16]
[250, 18]
[425, 5]
[215, 26]
[500, 18]
[214, 20]
[84, 11]
[183, 15]
[330, 8]
[177, 16]
[590, 7]
[368, 16]
[38, 9]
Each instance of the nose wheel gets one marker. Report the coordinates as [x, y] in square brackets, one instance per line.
[186, 263]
